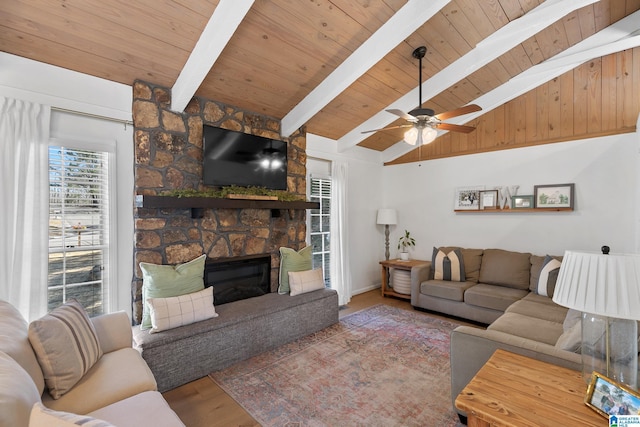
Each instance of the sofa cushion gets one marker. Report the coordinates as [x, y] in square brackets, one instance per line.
[14, 341]
[18, 393]
[453, 291]
[301, 282]
[533, 297]
[291, 260]
[42, 416]
[164, 281]
[493, 297]
[127, 413]
[505, 268]
[168, 313]
[116, 376]
[66, 345]
[552, 312]
[571, 339]
[519, 325]
[448, 265]
[472, 261]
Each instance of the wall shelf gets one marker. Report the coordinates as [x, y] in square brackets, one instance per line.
[532, 210]
[196, 204]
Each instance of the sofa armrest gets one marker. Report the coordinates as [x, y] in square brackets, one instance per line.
[471, 347]
[419, 275]
[114, 331]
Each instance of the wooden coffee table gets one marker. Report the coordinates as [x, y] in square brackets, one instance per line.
[514, 390]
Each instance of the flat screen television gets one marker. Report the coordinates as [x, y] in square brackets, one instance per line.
[236, 158]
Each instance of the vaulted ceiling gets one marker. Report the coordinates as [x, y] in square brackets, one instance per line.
[332, 65]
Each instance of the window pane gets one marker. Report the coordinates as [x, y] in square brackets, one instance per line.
[315, 223]
[320, 224]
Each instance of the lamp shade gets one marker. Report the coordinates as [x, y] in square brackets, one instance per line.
[387, 217]
[606, 285]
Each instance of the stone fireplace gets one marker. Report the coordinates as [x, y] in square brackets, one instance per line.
[168, 156]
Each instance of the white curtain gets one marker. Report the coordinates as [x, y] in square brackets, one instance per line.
[340, 268]
[24, 194]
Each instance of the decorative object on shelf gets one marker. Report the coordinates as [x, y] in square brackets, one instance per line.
[522, 202]
[387, 217]
[488, 199]
[250, 197]
[405, 242]
[605, 288]
[506, 194]
[468, 198]
[553, 196]
[224, 192]
[609, 397]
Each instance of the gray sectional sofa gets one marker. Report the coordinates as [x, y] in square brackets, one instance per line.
[242, 329]
[501, 291]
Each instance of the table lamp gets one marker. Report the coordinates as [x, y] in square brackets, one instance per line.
[606, 289]
[387, 217]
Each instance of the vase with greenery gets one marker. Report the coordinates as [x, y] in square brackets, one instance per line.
[404, 243]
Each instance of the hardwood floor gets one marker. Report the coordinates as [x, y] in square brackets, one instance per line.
[202, 403]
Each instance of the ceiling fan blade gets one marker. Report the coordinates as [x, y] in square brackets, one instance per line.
[471, 108]
[392, 127]
[455, 128]
[402, 114]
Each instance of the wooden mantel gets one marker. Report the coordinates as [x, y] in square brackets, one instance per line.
[196, 204]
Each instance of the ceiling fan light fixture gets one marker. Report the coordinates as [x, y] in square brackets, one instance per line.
[422, 136]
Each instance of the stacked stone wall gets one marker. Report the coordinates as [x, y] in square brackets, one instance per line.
[168, 156]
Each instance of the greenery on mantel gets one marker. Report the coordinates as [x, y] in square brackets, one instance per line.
[223, 192]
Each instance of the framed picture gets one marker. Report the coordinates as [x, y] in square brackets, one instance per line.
[489, 199]
[522, 202]
[553, 196]
[468, 198]
[608, 397]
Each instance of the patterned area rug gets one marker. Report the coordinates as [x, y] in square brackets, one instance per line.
[382, 366]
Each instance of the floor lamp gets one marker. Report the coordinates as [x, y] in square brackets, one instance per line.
[387, 217]
[606, 289]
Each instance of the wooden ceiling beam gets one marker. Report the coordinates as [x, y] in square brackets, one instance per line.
[487, 50]
[401, 25]
[623, 35]
[223, 23]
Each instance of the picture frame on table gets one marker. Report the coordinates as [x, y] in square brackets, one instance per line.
[522, 202]
[553, 196]
[467, 198]
[488, 199]
[609, 397]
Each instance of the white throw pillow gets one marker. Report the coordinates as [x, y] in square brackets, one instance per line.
[168, 313]
[66, 345]
[42, 416]
[301, 282]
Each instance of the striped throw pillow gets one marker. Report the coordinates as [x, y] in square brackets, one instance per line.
[449, 266]
[41, 416]
[66, 345]
[548, 276]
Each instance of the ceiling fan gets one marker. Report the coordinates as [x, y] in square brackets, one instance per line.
[424, 121]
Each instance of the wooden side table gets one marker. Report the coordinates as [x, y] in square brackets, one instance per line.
[400, 265]
[514, 390]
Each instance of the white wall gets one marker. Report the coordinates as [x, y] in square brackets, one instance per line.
[22, 78]
[366, 239]
[604, 170]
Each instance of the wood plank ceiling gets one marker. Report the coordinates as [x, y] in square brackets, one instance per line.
[334, 65]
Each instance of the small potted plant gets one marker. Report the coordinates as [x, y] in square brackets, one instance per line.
[404, 243]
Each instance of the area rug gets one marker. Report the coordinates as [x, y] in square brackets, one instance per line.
[382, 366]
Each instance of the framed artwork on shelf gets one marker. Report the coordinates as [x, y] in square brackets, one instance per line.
[553, 196]
[488, 199]
[608, 397]
[468, 198]
[522, 202]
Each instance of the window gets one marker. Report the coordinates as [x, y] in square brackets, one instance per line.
[320, 226]
[78, 228]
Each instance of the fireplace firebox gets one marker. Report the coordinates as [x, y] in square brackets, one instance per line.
[238, 278]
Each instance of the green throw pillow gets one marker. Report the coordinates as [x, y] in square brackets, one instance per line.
[164, 281]
[290, 260]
